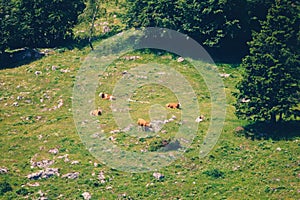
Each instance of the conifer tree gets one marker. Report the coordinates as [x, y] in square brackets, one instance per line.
[269, 89]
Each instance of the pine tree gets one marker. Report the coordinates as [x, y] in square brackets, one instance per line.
[270, 86]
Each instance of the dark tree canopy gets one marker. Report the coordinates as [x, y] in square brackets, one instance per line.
[271, 78]
[221, 25]
[37, 23]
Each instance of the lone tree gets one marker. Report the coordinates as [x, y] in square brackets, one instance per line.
[269, 89]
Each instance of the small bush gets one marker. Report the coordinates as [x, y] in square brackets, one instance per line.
[22, 191]
[215, 173]
[5, 187]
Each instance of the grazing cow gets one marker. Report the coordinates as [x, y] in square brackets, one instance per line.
[143, 123]
[107, 96]
[173, 105]
[97, 112]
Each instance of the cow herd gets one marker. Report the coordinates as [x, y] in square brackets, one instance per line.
[141, 122]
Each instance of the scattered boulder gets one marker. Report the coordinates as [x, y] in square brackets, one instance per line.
[101, 177]
[72, 175]
[236, 168]
[131, 57]
[106, 29]
[64, 70]
[42, 195]
[158, 176]
[36, 184]
[66, 159]
[53, 68]
[86, 196]
[37, 73]
[180, 59]
[3, 170]
[15, 104]
[74, 162]
[224, 75]
[128, 128]
[244, 100]
[41, 164]
[46, 173]
[115, 131]
[278, 149]
[38, 118]
[60, 103]
[53, 151]
[20, 97]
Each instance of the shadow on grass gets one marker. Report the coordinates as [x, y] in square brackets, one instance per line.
[19, 57]
[285, 130]
[26, 55]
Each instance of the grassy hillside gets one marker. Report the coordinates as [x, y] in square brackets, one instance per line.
[36, 116]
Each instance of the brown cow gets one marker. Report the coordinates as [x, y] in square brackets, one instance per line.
[107, 96]
[143, 123]
[173, 105]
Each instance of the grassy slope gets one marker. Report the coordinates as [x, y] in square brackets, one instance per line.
[251, 168]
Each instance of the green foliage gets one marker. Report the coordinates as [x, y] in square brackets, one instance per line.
[93, 11]
[37, 23]
[5, 187]
[221, 25]
[207, 21]
[22, 191]
[214, 173]
[271, 78]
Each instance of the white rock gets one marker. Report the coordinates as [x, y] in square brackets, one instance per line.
[101, 177]
[158, 176]
[3, 170]
[278, 149]
[86, 196]
[72, 175]
[224, 75]
[54, 67]
[37, 72]
[74, 162]
[46, 173]
[244, 100]
[180, 59]
[53, 151]
[36, 184]
[64, 70]
[60, 103]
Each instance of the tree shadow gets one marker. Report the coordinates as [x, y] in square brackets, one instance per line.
[26, 55]
[19, 57]
[285, 130]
